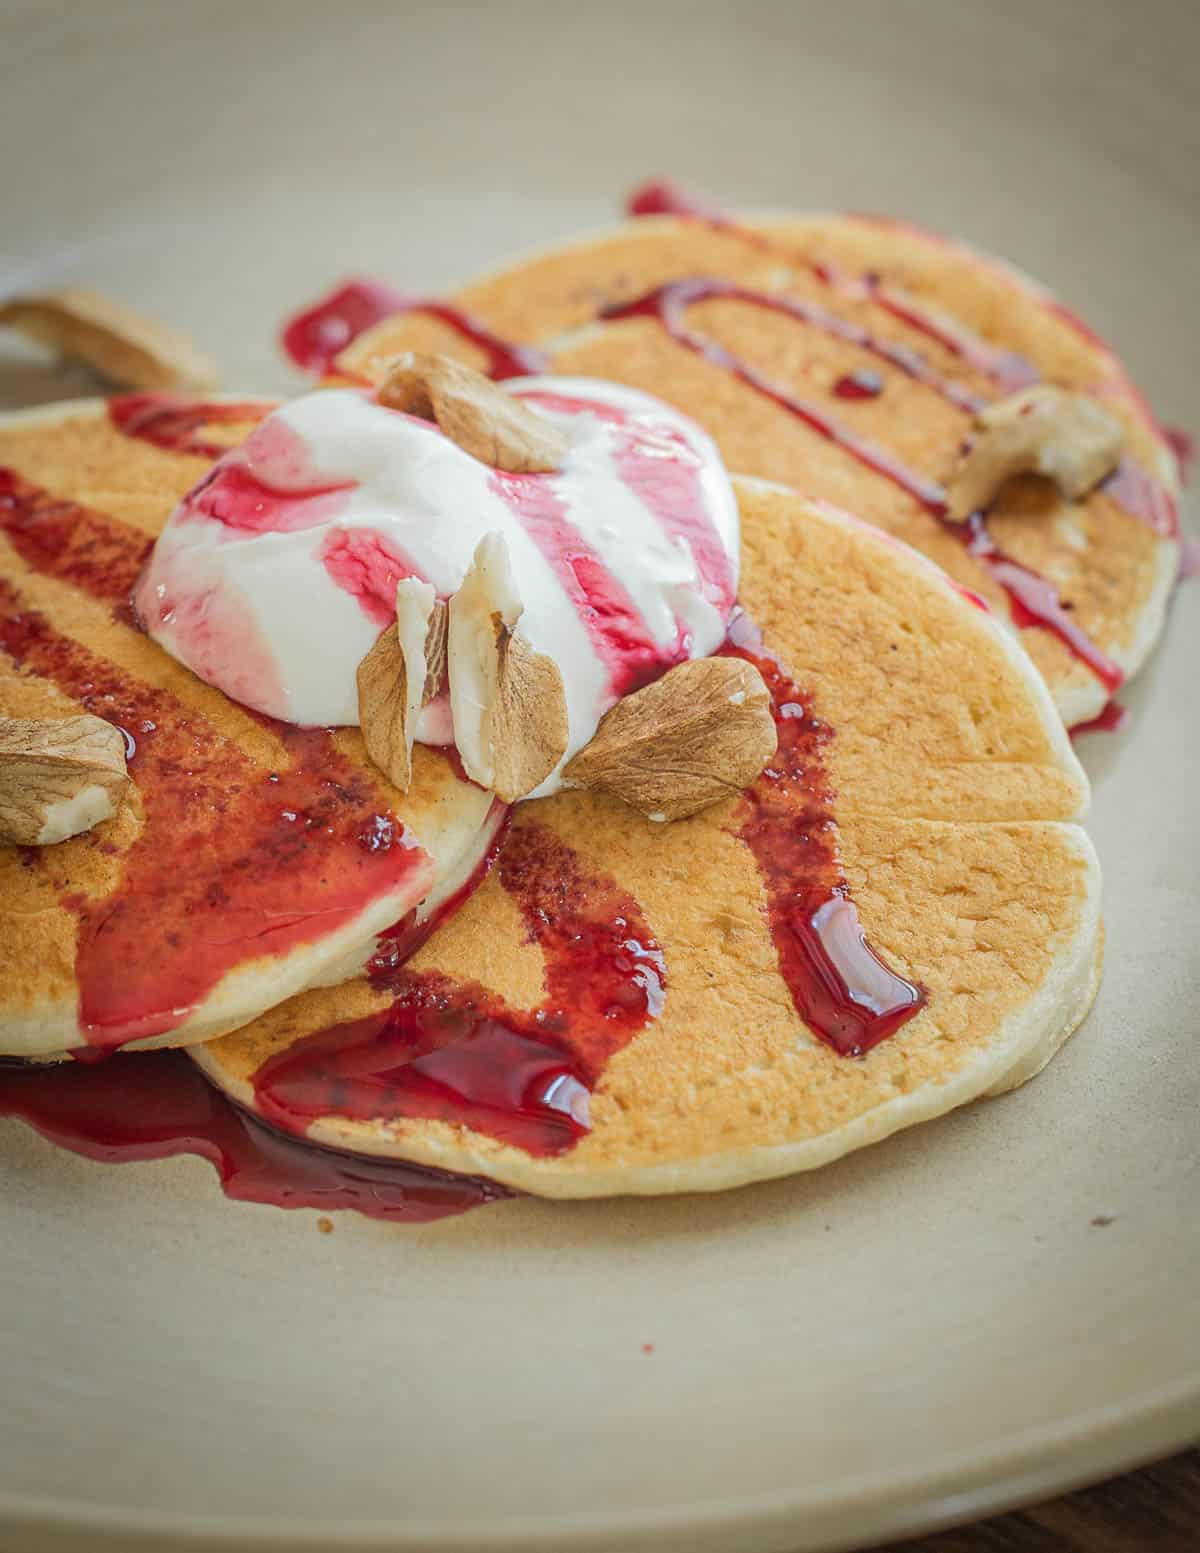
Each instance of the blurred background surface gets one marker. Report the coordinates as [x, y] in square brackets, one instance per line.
[218, 161]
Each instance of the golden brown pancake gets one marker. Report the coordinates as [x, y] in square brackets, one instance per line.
[251, 860]
[893, 335]
[923, 776]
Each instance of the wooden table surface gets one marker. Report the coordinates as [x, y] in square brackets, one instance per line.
[1156, 1510]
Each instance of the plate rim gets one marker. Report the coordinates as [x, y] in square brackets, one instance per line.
[1018, 1469]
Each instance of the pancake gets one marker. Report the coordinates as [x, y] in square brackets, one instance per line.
[625, 1007]
[252, 859]
[851, 366]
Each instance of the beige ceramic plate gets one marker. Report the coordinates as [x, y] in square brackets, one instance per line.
[927, 1330]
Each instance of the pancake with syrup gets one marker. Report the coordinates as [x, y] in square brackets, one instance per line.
[847, 357]
[252, 859]
[899, 916]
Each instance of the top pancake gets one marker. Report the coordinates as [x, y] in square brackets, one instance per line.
[250, 860]
[1112, 570]
[955, 793]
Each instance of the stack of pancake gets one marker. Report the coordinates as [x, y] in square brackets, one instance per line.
[939, 785]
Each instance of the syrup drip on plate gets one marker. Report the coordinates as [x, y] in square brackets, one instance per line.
[157, 1105]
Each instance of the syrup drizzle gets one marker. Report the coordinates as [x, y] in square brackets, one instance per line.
[456, 1052]
[665, 478]
[313, 832]
[1183, 445]
[1034, 599]
[1107, 720]
[1005, 368]
[667, 305]
[63, 539]
[1131, 487]
[840, 986]
[175, 423]
[859, 384]
[157, 1105]
[314, 338]
[669, 302]
[607, 612]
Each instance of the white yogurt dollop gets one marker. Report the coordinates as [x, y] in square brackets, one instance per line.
[274, 577]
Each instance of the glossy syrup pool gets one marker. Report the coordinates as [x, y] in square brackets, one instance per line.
[157, 1105]
[452, 1051]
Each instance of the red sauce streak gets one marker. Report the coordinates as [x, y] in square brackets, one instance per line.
[840, 986]
[62, 539]
[671, 489]
[662, 197]
[608, 613]
[1143, 497]
[157, 1105]
[240, 499]
[657, 465]
[1005, 368]
[669, 302]
[315, 337]
[1183, 445]
[227, 852]
[400, 942]
[267, 484]
[366, 564]
[1132, 487]
[860, 384]
[175, 423]
[667, 306]
[1107, 720]
[1189, 559]
[1035, 601]
[455, 1052]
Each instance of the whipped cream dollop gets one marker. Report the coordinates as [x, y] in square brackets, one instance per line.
[275, 575]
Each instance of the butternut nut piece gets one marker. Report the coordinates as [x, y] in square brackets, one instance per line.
[58, 777]
[507, 701]
[701, 733]
[474, 412]
[120, 344]
[1043, 430]
[393, 679]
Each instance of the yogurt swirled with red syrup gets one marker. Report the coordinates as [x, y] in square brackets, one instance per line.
[275, 575]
